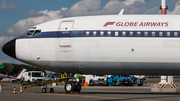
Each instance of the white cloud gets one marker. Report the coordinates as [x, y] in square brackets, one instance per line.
[87, 7]
[81, 8]
[21, 26]
[176, 9]
[33, 13]
[154, 10]
[7, 6]
[129, 2]
[4, 39]
[130, 6]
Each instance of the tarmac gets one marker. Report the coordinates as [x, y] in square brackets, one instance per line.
[90, 93]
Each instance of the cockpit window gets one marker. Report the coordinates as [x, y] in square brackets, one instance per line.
[30, 33]
[25, 32]
[37, 32]
[33, 33]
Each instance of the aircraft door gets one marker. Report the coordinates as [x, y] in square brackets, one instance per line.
[65, 40]
[66, 25]
[66, 53]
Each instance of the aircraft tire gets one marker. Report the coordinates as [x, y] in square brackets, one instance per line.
[77, 88]
[69, 87]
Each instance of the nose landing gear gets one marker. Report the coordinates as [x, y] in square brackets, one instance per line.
[72, 85]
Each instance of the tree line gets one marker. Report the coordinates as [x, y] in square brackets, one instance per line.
[12, 69]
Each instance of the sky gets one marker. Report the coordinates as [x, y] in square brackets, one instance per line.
[17, 16]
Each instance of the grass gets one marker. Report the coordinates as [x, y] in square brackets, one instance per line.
[154, 80]
[5, 82]
[157, 80]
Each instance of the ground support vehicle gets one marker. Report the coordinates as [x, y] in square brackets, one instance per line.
[139, 79]
[43, 85]
[49, 77]
[114, 80]
[64, 76]
[71, 84]
[97, 80]
[119, 80]
[32, 77]
[127, 80]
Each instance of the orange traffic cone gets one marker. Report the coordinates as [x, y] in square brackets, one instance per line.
[14, 92]
[85, 84]
[21, 91]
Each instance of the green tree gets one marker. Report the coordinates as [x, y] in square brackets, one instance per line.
[12, 69]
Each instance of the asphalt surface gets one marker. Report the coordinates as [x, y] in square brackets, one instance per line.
[90, 93]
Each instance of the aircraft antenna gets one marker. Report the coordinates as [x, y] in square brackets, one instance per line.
[121, 12]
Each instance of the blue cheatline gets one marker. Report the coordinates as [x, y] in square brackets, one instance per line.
[105, 33]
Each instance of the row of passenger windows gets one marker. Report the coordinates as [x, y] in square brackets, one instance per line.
[33, 32]
[124, 33]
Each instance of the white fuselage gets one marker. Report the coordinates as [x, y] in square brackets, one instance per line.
[105, 45]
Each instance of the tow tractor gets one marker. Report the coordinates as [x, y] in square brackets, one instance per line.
[71, 84]
[43, 85]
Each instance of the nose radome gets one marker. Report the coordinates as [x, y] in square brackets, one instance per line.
[9, 48]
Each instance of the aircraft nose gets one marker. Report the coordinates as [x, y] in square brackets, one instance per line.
[9, 48]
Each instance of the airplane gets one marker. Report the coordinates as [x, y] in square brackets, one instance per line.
[3, 76]
[102, 45]
[12, 78]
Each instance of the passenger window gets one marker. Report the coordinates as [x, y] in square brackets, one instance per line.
[138, 33]
[123, 33]
[175, 33]
[109, 33]
[145, 33]
[153, 33]
[87, 33]
[168, 34]
[102, 33]
[30, 33]
[130, 33]
[116, 33]
[37, 32]
[160, 33]
[94, 33]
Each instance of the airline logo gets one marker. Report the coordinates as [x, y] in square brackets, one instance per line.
[137, 24]
[109, 23]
